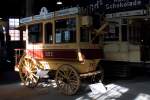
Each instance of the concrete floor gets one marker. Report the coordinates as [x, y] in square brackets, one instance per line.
[136, 88]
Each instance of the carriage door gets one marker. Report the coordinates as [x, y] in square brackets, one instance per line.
[145, 40]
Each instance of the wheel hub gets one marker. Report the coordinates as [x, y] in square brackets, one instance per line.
[65, 80]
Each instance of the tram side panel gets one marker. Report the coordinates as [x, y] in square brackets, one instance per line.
[123, 56]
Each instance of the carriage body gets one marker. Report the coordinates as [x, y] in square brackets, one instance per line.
[58, 40]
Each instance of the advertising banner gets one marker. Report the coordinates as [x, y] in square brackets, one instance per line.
[112, 6]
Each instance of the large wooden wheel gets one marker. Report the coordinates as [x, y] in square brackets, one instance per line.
[28, 71]
[67, 80]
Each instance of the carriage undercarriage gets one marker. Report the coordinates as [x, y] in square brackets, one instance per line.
[66, 76]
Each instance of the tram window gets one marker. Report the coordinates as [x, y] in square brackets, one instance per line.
[112, 31]
[65, 30]
[124, 32]
[124, 29]
[135, 33]
[35, 33]
[84, 34]
[48, 33]
[113, 34]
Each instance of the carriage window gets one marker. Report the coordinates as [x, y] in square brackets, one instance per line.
[96, 39]
[48, 33]
[65, 30]
[84, 34]
[35, 33]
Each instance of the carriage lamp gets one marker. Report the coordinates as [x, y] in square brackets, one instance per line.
[81, 58]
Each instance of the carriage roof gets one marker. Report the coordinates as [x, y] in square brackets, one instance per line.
[45, 15]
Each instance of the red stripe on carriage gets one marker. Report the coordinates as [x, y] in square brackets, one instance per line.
[52, 53]
[66, 53]
[38, 54]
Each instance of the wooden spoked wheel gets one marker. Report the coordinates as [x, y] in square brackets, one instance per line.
[28, 71]
[67, 80]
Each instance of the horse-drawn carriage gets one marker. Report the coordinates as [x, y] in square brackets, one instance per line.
[62, 43]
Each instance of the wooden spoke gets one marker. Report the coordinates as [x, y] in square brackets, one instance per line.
[67, 80]
[33, 70]
[27, 71]
[70, 73]
[61, 74]
[70, 88]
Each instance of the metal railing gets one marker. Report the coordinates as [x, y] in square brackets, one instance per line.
[18, 54]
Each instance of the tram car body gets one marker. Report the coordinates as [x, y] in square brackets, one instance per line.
[61, 42]
[126, 45]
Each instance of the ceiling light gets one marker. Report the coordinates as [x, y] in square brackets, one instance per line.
[59, 3]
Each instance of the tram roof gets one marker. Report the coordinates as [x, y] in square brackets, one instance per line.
[138, 17]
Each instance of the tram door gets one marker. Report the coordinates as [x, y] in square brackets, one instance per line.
[139, 34]
[145, 40]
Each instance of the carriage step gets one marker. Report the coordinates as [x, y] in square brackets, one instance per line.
[90, 73]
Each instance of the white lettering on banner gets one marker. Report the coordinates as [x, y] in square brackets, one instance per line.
[123, 4]
[91, 7]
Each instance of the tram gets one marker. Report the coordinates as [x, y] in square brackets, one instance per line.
[126, 44]
[62, 43]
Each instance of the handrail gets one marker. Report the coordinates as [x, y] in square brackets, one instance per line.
[18, 53]
[100, 30]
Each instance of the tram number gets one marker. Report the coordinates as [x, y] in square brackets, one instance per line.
[48, 54]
